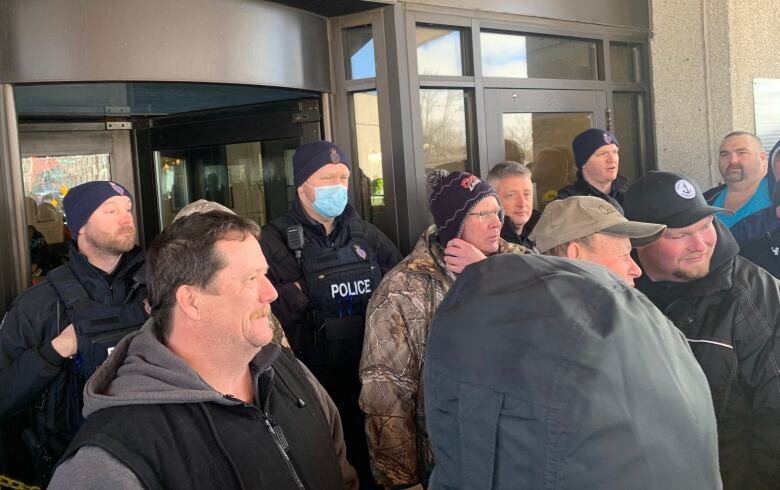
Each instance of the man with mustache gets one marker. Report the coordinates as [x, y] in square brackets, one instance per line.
[743, 164]
[201, 397]
[729, 310]
[596, 153]
[57, 333]
[468, 218]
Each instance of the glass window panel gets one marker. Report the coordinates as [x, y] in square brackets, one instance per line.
[369, 178]
[542, 140]
[439, 51]
[526, 56]
[359, 43]
[628, 126]
[253, 179]
[625, 60]
[46, 180]
[445, 141]
[766, 103]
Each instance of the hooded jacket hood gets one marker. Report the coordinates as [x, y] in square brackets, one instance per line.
[543, 372]
[141, 370]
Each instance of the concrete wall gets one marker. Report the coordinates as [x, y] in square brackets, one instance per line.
[704, 56]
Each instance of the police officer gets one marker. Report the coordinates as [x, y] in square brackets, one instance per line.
[325, 261]
[56, 334]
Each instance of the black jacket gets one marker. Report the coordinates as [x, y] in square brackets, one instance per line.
[581, 187]
[548, 373]
[731, 320]
[764, 251]
[28, 362]
[508, 231]
[159, 419]
[29, 365]
[292, 306]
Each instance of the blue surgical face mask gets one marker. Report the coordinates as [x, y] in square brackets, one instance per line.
[329, 200]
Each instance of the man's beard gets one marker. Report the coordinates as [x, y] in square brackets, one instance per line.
[734, 174]
[122, 241]
[692, 274]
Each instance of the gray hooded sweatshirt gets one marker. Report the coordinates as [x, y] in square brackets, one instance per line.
[142, 370]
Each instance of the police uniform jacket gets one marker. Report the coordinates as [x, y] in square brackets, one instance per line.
[28, 362]
[731, 318]
[293, 304]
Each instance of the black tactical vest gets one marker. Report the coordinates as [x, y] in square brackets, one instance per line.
[56, 416]
[213, 445]
[340, 281]
[99, 327]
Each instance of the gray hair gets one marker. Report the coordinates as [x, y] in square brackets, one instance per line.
[505, 169]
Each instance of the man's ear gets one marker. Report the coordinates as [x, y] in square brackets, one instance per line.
[573, 250]
[188, 301]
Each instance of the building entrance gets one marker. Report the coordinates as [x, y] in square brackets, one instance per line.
[536, 127]
[240, 157]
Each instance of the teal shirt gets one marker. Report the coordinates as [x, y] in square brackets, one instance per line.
[760, 200]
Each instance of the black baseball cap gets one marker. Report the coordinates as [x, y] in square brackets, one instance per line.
[667, 198]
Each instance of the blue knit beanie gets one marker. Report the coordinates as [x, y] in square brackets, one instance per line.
[81, 201]
[587, 142]
[313, 156]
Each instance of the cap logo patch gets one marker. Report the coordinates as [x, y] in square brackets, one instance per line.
[685, 189]
[470, 182]
[117, 189]
[608, 139]
[607, 209]
[334, 155]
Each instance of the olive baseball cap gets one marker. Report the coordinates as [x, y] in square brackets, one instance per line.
[579, 216]
[667, 198]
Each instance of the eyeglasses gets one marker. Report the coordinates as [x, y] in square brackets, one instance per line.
[484, 215]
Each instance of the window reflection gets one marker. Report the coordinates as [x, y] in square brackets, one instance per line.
[543, 142]
[253, 179]
[627, 129]
[445, 141]
[359, 45]
[527, 56]
[439, 51]
[46, 180]
[369, 178]
[624, 60]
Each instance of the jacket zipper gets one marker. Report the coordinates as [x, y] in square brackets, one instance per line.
[277, 441]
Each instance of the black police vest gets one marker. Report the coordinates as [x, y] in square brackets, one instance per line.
[99, 327]
[56, 416]
[211, 445]
[340, 282]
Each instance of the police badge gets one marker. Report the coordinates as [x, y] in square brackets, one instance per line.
[360, 252]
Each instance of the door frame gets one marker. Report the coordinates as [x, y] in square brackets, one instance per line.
[499, 101]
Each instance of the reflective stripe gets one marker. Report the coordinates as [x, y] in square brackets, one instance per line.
[722, 344]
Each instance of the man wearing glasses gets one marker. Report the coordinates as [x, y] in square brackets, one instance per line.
[468, 218]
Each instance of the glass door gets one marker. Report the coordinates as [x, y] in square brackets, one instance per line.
[536, 127]
[239, 157]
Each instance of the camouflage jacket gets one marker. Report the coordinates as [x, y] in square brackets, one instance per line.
[397, 320]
